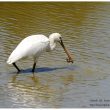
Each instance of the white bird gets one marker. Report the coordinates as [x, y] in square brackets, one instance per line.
[34, 46]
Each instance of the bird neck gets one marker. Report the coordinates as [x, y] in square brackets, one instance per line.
[52, 43]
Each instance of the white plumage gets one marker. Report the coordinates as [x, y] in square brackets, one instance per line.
[34, 46]
[30, 46]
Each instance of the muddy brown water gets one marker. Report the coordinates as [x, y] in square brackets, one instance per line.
[85, 28]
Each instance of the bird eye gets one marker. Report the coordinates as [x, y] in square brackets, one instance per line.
[60, 37]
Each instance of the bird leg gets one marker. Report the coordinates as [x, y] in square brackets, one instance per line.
[34, 65]
[14, 64]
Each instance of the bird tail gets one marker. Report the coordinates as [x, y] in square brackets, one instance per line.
[9, 61]
[13, 58]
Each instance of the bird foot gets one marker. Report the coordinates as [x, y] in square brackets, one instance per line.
[18, 71]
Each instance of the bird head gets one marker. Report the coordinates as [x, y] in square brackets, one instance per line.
[55, 36]
[58, 38]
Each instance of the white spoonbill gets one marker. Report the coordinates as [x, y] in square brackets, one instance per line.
[35, 45]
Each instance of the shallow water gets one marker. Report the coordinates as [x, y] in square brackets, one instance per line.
[85, 28]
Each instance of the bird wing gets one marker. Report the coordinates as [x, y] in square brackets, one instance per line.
[32, 45]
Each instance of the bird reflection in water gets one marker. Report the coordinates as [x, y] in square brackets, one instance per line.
[33, 77]
[41, 89]
[32, 94]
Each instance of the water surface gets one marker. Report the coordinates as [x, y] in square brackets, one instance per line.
[85, 28]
